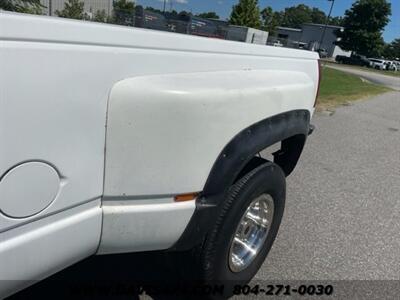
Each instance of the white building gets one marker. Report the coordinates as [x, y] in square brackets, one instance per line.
[247, 35]
[309, 37]
[90, 8]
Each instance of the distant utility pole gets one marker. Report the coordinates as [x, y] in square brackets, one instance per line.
[326, 24]
[50, 7]
[165, 3]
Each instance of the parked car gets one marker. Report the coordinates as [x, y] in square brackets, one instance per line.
[355, 59]
[391, 66]
[397, 64]
[378, 64]
[277, 44]
[117, 140]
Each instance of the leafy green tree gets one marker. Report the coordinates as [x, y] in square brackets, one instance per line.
[124, 11]
[392, 50]
[246, 13]
[168, 13]
[317, 16]
[208, 15]
[73, 9]
[22, 6]
[149, 8]
[296, 16]
[364, 24]
[337, 21]
[271, 19]
[100, 16]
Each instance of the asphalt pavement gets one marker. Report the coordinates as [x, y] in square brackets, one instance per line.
[342, 218]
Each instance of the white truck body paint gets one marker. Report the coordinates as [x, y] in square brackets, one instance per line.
[34, 251]
[191, 95]
[92, 58]
[131, 227]
[185, 109]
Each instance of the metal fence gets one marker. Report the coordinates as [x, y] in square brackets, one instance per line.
[186, 23]
[180, 23]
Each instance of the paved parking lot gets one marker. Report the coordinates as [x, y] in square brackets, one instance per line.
[342, 218]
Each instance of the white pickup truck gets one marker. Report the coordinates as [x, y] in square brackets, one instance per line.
[116, 140]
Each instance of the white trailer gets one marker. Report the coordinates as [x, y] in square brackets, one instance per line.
[247, 35]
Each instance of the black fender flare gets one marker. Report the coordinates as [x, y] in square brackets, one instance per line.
[291, 128]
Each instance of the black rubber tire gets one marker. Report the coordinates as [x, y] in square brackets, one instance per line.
[212, 259]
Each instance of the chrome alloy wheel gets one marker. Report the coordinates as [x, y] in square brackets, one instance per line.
[251, 233]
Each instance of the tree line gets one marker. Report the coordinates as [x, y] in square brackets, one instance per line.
[247, 12]
[363, 22]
